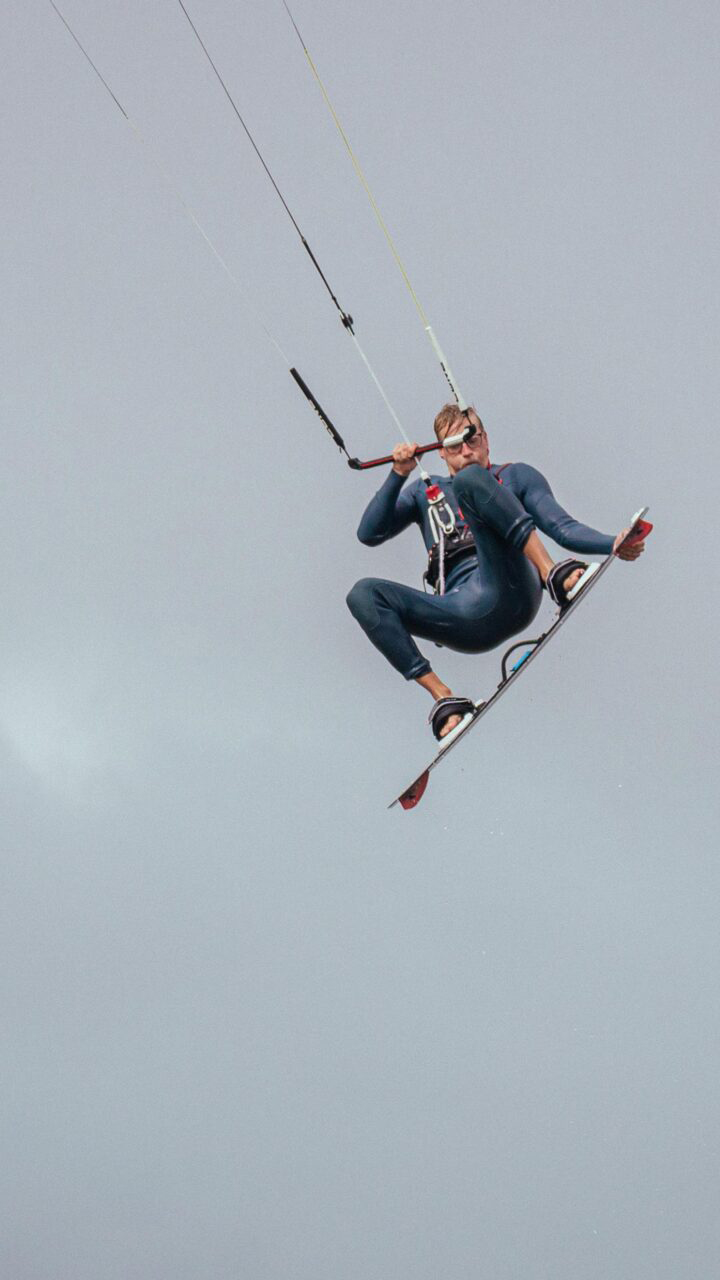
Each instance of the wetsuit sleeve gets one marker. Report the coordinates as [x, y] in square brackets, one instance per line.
[538, 499]
[388, 513]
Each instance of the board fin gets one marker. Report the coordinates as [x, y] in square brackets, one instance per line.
[415, 791]
[639, 532]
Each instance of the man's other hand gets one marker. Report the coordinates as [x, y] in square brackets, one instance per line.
[629, 552]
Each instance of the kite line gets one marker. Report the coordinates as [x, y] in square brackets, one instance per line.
[381, 221]
[171, 185]
[345, 317]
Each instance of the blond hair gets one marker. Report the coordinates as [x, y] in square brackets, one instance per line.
[447, 418]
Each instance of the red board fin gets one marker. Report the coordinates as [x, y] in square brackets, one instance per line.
[639, 533]
[415, 791]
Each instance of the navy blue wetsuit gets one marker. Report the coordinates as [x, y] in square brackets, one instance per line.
[489, 596]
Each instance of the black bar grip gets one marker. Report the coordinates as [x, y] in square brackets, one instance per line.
[329, 427]
[357, 465]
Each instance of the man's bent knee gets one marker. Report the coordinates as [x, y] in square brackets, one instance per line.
[478, 491]
[361, 600]
[474, 482]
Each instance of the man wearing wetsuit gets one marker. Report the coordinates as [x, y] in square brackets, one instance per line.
[493, 586]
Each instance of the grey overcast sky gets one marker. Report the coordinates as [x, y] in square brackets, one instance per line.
[255, 1027]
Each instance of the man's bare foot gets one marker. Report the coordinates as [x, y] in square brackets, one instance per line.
[437, 690]
[572, 580]
[563, 578]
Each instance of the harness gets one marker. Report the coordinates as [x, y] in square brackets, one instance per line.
[443, 527]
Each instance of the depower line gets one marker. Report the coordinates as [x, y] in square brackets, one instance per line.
[383, 225]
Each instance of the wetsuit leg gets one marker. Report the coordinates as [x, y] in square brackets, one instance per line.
[471, 618]
[488, 505]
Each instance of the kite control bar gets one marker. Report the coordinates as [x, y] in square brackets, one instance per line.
[467, 434]
[355, 463]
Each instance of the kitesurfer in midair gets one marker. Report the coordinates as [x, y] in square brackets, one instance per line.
[490, 562]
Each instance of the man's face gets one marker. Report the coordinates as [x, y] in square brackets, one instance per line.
[474, 450]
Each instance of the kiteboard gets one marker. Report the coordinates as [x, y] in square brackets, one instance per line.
[412, 795]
